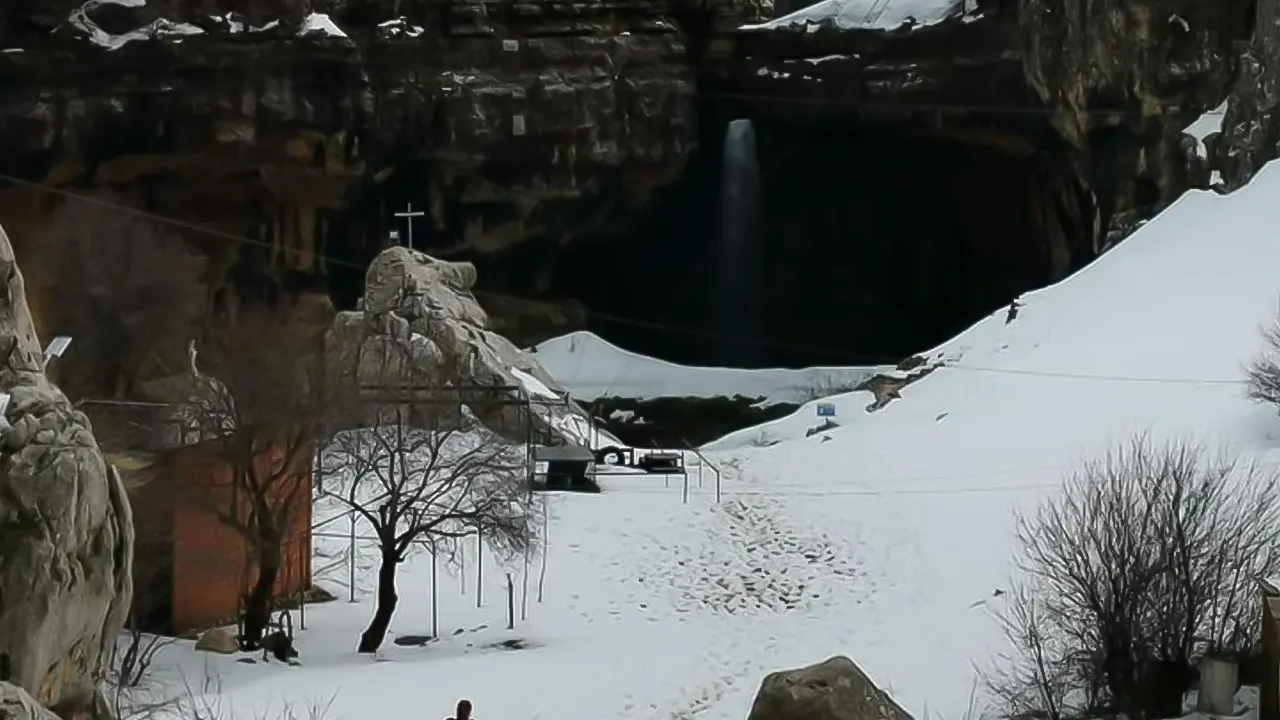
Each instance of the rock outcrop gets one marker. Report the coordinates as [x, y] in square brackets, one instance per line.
[835, 689]
[419, 328]
[66, 530]
[17, 704]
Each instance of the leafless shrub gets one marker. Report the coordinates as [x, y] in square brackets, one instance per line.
[126, 679]
[129, 292]
[1263, 372]
[1147, 560]
[431, 486]
[209, 703]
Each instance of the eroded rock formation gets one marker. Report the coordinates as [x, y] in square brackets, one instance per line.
[419, 328]
[17, 704]
[66, 531]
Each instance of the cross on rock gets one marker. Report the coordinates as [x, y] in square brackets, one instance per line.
[410, 214]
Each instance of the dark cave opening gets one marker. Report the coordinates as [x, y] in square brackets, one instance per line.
[877, 241]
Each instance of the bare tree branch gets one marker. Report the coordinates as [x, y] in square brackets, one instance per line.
[431, 487]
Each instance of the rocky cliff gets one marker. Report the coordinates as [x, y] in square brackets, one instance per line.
[66, 531]
[917, 172]
[508, 122]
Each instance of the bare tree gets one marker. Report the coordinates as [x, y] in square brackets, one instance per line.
[1147, 560]
[1263, 372]
[432, 486]
[128, 291]
[259, 406]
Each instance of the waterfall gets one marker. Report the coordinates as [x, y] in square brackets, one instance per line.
[738, 258]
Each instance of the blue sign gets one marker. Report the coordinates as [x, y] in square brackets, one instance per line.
[826, 410]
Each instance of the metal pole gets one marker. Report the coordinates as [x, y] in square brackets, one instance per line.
[524, 587]
[351, 560]
[701, 463]
[546, 545]
[479, 569]
[435, 604]
[717, 486]
[684, 495]
[462, 565]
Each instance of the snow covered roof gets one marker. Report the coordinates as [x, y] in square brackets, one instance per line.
[867, 14]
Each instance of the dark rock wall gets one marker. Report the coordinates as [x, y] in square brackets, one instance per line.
[914, 181]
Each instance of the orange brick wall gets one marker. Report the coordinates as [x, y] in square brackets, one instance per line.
[212, 567]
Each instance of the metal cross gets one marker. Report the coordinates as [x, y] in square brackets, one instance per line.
[410, 214]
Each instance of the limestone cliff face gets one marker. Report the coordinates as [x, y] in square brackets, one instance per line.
[506, 121]
[570, 150]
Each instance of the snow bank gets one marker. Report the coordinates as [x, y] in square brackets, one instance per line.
[589, 367]
[867, 14]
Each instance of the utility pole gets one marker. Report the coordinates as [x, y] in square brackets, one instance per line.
[410, 215]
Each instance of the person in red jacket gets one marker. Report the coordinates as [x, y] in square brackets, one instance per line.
[463, 712]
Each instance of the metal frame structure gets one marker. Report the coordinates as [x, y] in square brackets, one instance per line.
[455, 397]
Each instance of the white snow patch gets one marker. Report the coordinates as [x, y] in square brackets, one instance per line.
[161, 28]
[320, 24]
[401, 26]
[867, 14]
[1206, 125]
[533, 385]
[590, 367]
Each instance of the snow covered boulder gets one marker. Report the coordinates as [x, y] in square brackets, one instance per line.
[835, 689]
[418, 324]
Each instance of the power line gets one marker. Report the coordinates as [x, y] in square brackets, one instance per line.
[615, 319]
[1071, 476]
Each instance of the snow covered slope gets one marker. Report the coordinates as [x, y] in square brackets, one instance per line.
[589, 367]
[882, 539]
[868, 14]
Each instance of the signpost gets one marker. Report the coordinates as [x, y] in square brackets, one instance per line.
[826, 410]
[410, 215]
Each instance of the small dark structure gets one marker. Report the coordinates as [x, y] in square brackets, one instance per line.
[657, 462]
[566, 468]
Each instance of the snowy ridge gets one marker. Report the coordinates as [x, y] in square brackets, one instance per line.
[589, 367]
[867, 15]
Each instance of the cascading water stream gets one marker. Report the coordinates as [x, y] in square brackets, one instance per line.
[738, 280]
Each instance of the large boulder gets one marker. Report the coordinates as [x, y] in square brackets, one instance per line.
[66, 531]
[835, 689]
[17, 704]
[419, 325]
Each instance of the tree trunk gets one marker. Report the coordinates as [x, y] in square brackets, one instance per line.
[257, 613]
[372, 638]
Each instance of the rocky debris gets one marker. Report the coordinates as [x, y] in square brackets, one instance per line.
[218, 640]
[419, 326]
[17, 704]
[66, 529]
[835, 689]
